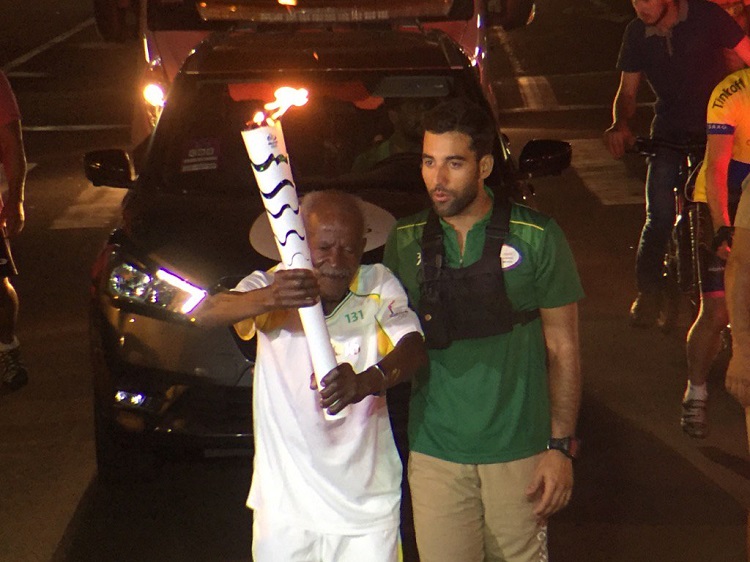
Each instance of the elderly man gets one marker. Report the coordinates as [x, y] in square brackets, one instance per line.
[331, 487]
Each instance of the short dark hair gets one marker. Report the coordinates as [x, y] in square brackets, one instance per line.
[463, 116]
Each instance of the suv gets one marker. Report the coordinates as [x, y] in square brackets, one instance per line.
[188, 215]
[171, 29]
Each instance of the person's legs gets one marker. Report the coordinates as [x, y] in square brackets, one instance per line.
[274, 541]
[512, 533]
[663, 175]
[12, 371]
[704, 336]
[380, 546]
[448, 512]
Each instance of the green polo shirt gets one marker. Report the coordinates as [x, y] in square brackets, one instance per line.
[486, 400]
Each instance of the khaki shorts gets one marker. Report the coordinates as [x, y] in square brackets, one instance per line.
[274, 541]
[475, 513]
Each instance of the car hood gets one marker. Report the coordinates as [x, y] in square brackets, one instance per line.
[204, 240]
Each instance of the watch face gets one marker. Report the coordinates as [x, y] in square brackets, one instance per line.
[569, 445]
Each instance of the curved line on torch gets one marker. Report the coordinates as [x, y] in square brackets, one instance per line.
[291, 259]
[288, 234]
[263, 166]
[284, 208]
[275, 191]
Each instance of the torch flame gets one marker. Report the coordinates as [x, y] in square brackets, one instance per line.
[286, 97]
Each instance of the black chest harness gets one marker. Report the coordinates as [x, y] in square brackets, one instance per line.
[468, 302]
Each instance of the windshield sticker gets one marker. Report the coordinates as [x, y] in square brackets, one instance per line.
[202, 154]
[509, 257]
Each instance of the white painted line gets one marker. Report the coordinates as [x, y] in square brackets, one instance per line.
[537, 93]
[515, 62]
[72, 128]
[95, 207]
[573, 107]
[103, 46]
[610, 180]
[27, 74]
[49, 44]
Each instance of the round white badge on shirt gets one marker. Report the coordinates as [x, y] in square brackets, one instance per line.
[509, 257]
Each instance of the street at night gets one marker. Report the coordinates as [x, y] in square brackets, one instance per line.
[644, 491]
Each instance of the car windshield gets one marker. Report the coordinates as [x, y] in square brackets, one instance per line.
[355, 132]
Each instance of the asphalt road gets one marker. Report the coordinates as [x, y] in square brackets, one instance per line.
[644, 491]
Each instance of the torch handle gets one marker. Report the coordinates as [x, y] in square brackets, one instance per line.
[316, 331]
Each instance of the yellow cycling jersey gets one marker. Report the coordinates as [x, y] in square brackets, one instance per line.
[729, 114]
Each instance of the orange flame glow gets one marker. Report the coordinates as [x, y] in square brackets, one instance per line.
[286, 97]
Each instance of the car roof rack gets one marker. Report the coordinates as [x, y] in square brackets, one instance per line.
[334, 11]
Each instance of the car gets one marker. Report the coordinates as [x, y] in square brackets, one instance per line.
[171, 29]
[192, 217]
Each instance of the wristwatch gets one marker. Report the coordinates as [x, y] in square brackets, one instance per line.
[569, 446]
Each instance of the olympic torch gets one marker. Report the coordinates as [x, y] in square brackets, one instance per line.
[264, 142]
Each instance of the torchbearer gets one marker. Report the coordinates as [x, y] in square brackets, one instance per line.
[331, 487]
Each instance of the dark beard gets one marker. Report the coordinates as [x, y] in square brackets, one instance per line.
[456, 206]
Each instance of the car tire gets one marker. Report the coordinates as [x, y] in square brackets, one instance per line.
[121, 456]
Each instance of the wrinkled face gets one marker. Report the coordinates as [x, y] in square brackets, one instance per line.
[651, 12]
[451, 172]
[336, 247]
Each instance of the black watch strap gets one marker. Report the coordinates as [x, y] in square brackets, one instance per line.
[569, 446]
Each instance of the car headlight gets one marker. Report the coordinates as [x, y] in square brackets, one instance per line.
[163, 289]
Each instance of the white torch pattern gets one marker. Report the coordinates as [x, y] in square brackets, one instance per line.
[270, 162]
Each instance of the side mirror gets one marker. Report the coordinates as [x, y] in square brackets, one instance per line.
[544, 157]
[510, 14]
[111, 167]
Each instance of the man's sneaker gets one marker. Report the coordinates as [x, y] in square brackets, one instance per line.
[645, 310]
[694, 420]
[13, 372]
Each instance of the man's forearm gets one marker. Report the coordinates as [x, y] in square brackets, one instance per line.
[623, 110]
[400, 365]
[229, 307]
[564, 368]
[738, 291]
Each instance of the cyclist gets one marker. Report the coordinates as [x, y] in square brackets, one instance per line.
[717, 190]
[679, 46]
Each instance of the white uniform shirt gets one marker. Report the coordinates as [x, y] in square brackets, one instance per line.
[338, 476]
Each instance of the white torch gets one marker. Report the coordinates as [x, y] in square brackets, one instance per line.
[266, 148]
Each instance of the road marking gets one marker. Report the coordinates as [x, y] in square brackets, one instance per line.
[610, 180]
[95, 207]
[19, 74]
[515, 62]
[537, 93]
[72, 128]
[572, 107]
[49, 44]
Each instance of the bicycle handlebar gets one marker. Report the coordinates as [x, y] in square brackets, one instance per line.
[647, 147]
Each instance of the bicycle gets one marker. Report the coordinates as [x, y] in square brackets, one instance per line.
[680, 281]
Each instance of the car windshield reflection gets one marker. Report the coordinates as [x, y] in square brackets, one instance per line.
[352, 134]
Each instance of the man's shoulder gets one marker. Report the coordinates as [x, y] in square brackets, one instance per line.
[411, 223]
[523, 217]
[730, 95]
